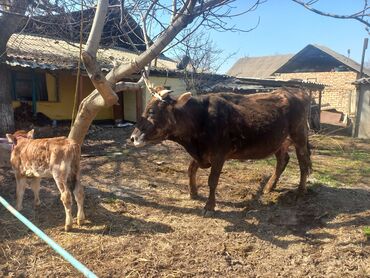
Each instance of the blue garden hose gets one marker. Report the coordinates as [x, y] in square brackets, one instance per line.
[79, 266]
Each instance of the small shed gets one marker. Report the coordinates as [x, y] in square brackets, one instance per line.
[224, 83]
[362, 122]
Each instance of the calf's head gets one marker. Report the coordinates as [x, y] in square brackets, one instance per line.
[158, 120]
[13, 138]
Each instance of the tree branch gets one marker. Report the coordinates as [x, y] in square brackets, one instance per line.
[357, 16]
[89, 56]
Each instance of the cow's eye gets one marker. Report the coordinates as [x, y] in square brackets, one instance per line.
[151, 112]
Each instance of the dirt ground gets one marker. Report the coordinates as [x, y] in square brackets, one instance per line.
[141, 222]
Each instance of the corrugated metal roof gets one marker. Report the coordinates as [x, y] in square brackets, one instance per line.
[260, 67]
[343, 59]
[314, 55]
[252, 85]
[362, 81]
[46, 53]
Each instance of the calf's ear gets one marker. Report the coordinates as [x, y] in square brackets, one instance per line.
[183, 99]
[10, 138]
[30, 134]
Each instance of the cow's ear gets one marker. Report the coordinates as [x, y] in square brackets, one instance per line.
[30, 134]
[10, 138]
[183, 99]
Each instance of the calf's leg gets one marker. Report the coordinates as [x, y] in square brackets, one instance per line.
[66, 198]
[21, 186]
[79, 197]
[216, 168]
[192, 172]
[35, 186]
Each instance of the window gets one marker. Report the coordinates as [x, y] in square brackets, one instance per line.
[31, 85]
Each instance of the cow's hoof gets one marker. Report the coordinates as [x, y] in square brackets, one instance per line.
[301, 193]
[80, 222]
[208, 213]
[68, 228]
[194, 196]
[37, 203]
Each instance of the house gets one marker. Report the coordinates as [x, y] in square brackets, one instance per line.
[258, 67]
[43, 61]
[362, 125]
[319, 64]
[44, 73]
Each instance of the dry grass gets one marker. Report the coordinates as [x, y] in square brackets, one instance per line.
[143, 224]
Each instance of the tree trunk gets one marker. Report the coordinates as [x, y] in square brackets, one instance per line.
[92, 104]
[9, 24]
[6, 109]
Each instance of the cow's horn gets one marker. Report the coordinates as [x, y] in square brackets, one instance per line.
[164, 93]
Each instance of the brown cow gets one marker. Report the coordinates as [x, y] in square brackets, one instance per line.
[33, 159]
[216, 127]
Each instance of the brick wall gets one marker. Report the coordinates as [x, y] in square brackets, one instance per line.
[339, 93]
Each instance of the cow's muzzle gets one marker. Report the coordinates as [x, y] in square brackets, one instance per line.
[137, 138]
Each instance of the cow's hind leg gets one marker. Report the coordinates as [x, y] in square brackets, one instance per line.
[21, 187]
[303, 154]
[79, 197]
[282, 159]
[66, 198]
[192, 172]
[35, 186]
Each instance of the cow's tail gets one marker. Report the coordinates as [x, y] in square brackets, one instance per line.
[74, 176]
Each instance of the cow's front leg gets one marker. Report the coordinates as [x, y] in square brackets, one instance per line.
[192, 172]
[282, 159]
[212, 183]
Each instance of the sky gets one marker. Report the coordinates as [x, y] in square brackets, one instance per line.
[286, 27]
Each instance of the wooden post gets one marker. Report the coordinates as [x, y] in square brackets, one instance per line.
[118, 110]
[139, 103]
[80, 90]
[366, 40]
[34, 95]
[320, 96]
[360, 90]
[310, 107]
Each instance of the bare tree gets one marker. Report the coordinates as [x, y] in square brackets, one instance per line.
[361, 15]
[150, 25]
[199, 58]
[153, 15]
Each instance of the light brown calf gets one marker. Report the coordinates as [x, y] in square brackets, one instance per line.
[59, 157]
